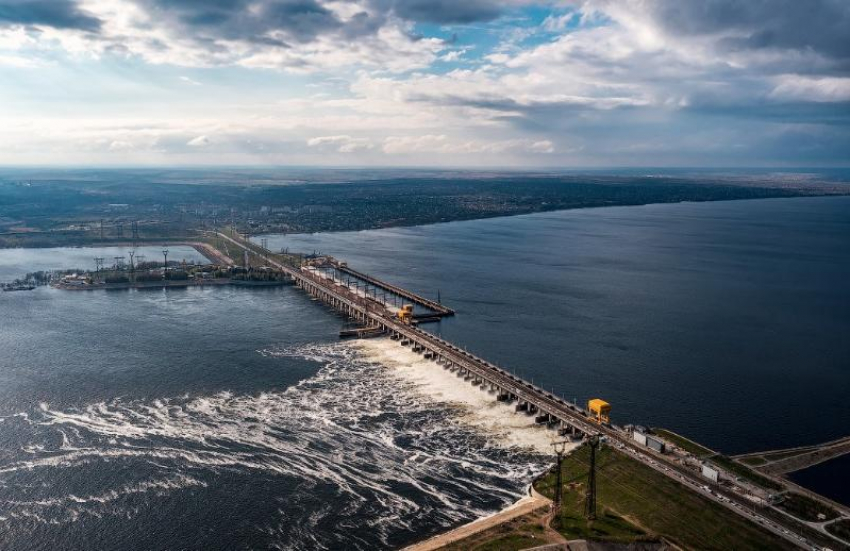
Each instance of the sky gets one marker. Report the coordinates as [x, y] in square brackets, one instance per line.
[425, 83]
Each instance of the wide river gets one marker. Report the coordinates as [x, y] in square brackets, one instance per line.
[227, 418]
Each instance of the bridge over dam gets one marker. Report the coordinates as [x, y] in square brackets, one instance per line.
[377, 316]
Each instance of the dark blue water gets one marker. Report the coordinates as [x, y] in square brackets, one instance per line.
[223, 418]
[727, 322]
[230, 418]
[830, 478]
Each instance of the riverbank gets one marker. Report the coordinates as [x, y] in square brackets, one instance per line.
[143, 285]
[532, 502]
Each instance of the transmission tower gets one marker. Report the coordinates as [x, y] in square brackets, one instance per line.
[590, 504]
[98, 264]
[560, 448]
[132, 266]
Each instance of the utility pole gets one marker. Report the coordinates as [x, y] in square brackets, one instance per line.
[98, 263]
[560, 448]
[165, 264]
[132, 266]
[590, 504]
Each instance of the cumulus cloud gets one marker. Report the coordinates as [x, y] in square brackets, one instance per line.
[50, 13]
[801, 88]
[440, 143]
[295, 35]
[200, 141]
[618, 79]
[448, 11]
[341, 143]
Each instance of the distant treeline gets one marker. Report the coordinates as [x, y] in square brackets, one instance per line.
[117, 206]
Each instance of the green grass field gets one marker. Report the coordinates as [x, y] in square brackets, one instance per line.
[636, 503]
[806, 508]
[745, 472]
[753, 461]
[684, 443]
[840, 528]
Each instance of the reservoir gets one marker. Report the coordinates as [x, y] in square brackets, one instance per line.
[726, 321]
[830, 478]
[223, 418]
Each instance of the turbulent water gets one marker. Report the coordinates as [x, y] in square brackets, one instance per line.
[367, 446]
[234, 418]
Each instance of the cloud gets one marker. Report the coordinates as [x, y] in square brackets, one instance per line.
[448, 11]
[301, 36]
[742, 32]
[266, 22]
[341, 143]
[801, 88]
[818, 25]
[121, 146]
[599, 81]
[20, 62]
[59, 14]
[200, 141]
[442, 144]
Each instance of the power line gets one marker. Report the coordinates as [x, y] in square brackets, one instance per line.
[590, 502]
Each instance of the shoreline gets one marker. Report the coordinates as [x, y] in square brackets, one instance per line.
[553, 211]
[183, 241]
[527, 504]
[142, 285]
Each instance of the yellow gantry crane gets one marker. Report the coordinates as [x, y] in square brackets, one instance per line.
[600, 410]
[405, 314]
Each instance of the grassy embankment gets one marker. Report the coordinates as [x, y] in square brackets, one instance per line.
[806, 508]
[840, 528]
[684, 443]
[743, 471]
[636, 503]
[727, 463]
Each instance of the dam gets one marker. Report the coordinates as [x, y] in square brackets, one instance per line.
[365, 300]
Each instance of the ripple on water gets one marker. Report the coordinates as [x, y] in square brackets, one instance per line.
[377, 449]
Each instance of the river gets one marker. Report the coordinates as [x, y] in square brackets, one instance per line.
[227, 418]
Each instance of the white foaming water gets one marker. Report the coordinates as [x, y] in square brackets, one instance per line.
[376, 449]
[477, 407]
